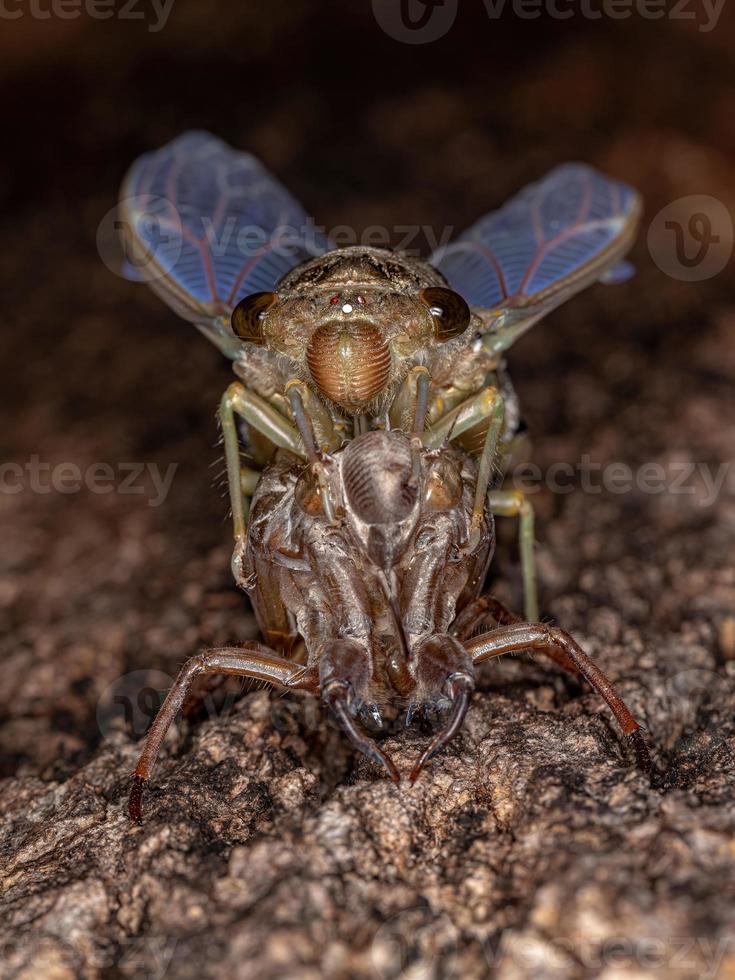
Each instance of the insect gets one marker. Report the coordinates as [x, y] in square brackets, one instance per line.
[353, 337]
[374, 403]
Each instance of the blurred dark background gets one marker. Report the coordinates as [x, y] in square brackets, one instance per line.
[99, 589]
[365, 130]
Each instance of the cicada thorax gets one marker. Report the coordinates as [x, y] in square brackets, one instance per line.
[352, 323]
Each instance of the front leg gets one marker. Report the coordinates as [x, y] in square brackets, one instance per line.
[239, 401]
[550, 640]
[314, 431]
[486, 411]
[487, 406]
[250, 660]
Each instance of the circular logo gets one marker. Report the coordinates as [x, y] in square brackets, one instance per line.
[691, 239]
[132, 701]
[415, 21]
[140, 238]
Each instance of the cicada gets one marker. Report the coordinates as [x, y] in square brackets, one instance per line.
[374, 406]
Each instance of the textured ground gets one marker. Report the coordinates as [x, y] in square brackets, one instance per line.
[530, 847]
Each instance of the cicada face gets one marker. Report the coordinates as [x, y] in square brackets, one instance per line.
[353, 321]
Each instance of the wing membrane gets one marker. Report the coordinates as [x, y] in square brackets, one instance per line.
[549, 241]
[205, 225]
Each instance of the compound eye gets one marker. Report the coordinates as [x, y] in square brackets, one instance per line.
[450, 312]
[248, 315]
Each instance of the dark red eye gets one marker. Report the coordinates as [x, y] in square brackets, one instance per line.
[248, 315]
[450, 312]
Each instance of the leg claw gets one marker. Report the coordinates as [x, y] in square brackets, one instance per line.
[460, 687]
[135, 800]
[338, 697]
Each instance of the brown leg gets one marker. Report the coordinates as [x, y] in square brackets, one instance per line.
[250, 660]
[344, 672]
[443, 666]
[477, 615]
[548, 639]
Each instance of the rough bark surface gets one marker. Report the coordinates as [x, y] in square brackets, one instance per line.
[531, 846]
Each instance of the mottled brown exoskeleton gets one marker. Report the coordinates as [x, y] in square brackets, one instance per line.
[375, 408]
[365, 562]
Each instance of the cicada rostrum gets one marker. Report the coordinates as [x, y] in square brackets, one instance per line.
[374, 407]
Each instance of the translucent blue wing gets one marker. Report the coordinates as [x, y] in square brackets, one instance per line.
[204, 225]
[549, 241]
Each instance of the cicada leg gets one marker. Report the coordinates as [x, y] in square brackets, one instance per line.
[481, 614]
[409, 410]
[344, 671]
[469, 413]
[239, 401]
[549, 640]
[317, 432]
[250, 660]
[248, 482]
[443, 667]
[487, 612]
[485, 405]
[487, 408]
[513, 503]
